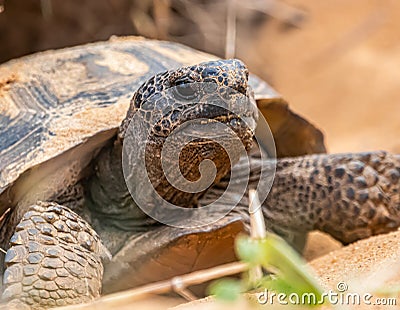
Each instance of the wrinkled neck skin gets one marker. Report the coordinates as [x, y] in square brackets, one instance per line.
[110, 198]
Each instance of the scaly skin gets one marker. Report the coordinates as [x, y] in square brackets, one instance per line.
[350, 196]
[55, 259]
[55, 256]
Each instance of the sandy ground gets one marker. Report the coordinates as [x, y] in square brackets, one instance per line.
[366, 266]
[339, 70]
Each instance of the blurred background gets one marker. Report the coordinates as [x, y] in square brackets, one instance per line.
[337, 62]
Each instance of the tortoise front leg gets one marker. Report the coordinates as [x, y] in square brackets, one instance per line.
[54, 259]
[350, 196]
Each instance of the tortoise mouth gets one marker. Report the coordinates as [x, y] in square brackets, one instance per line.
[210, 114]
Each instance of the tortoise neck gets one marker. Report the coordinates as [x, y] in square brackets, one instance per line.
[109, 197]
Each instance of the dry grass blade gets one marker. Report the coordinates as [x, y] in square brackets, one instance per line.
[47, 9]
[162, 17]
[257, 223]
[162, 287]
[208, 24]
[230, 41]
[276, 9]
[257, 229]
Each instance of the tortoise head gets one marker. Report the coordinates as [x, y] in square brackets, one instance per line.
[210, 105]
[210, 90]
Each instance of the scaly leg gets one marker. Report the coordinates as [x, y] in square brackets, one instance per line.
[350, 196]
[54, 259]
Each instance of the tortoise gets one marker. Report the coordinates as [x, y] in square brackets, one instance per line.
[70, 226]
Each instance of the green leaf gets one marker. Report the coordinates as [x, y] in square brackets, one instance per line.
[272, 252]
[225, 289]
[248, 251]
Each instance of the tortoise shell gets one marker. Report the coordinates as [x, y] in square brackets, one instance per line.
[58, 101]
[59, 108]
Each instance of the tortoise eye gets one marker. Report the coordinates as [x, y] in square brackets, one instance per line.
[186, 91]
